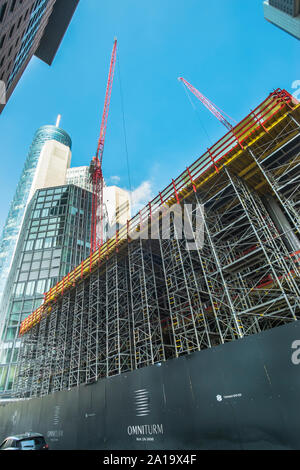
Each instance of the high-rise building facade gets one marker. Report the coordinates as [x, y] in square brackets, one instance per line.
[285, 14]
[55, 237]
[80, 176]
[31, 179]
[291, 7]
[117, 202]
[27, 28]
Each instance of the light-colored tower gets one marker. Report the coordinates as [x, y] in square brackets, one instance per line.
[50, 145]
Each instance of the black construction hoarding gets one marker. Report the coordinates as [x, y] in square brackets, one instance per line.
[241, 395]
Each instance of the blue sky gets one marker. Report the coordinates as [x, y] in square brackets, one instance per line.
[224, 48]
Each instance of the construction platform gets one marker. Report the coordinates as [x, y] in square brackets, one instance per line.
[137, 301]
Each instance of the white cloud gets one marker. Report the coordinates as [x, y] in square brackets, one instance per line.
[141, 196]
[115, 179]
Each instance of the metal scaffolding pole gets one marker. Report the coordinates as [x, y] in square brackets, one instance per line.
[147, 337]
[79, 328]
[62, 359]
[118, 328]
[263, 238]
[50, 350]
[40, 363]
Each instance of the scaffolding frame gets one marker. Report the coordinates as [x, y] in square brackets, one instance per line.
[145, 300]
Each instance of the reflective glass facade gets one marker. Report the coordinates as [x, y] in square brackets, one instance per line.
[291, 7]
[36, 17]
[13, 223]
[54, 239]
[281, 17]
[27, 28]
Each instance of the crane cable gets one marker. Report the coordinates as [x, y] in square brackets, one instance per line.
[124, 128]
[197, 113]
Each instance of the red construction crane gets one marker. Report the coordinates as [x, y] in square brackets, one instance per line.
[209, 105]
[96, 174]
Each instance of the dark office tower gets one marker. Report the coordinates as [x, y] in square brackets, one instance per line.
[27, 28]
[285, 14]
[291, 7]
[54, 239]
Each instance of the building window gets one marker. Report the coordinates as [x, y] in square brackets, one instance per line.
[48, 243]
[3, 375]
[27, 306]
[2, 41]
[2, 11]
[13, 4]
[41, 286]
[11, 31]
[30, 289]
[39, 244]
[11, 376]
[10, 334]
[17, 307]
[20, 289]
[29, 245]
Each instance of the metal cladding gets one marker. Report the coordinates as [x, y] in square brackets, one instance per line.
[137, 301]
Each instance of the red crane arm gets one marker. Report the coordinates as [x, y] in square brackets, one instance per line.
[96, 164]
[209, 105]
[100, 148]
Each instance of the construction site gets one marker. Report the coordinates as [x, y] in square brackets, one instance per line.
[138, 300]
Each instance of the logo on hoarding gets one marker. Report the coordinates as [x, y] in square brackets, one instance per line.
[225, 397]
[55, 434]
[143, 432]
[142, 402]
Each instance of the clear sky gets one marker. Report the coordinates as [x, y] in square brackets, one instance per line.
[226, 49]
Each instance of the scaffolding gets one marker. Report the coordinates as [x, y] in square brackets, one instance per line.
[141, 300]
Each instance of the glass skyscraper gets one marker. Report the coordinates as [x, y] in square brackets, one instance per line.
[13, 223]
[55, 238]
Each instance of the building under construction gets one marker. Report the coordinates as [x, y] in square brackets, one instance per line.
[140, 300]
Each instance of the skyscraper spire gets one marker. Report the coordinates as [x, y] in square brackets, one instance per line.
[58, 120]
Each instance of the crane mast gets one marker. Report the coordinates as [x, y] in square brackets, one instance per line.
[96, 174]
[217, 112]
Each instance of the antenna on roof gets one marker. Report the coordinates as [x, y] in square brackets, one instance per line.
[58, 120]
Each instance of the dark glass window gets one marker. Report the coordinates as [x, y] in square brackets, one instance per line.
[11, 334]
[12, 6]
[16, 307]
[2, 11]
[2, 41]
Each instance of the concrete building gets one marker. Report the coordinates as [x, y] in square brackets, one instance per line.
[118, 208]
[27, 28]
[47, 141]
[285, 14]
[52, 167]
